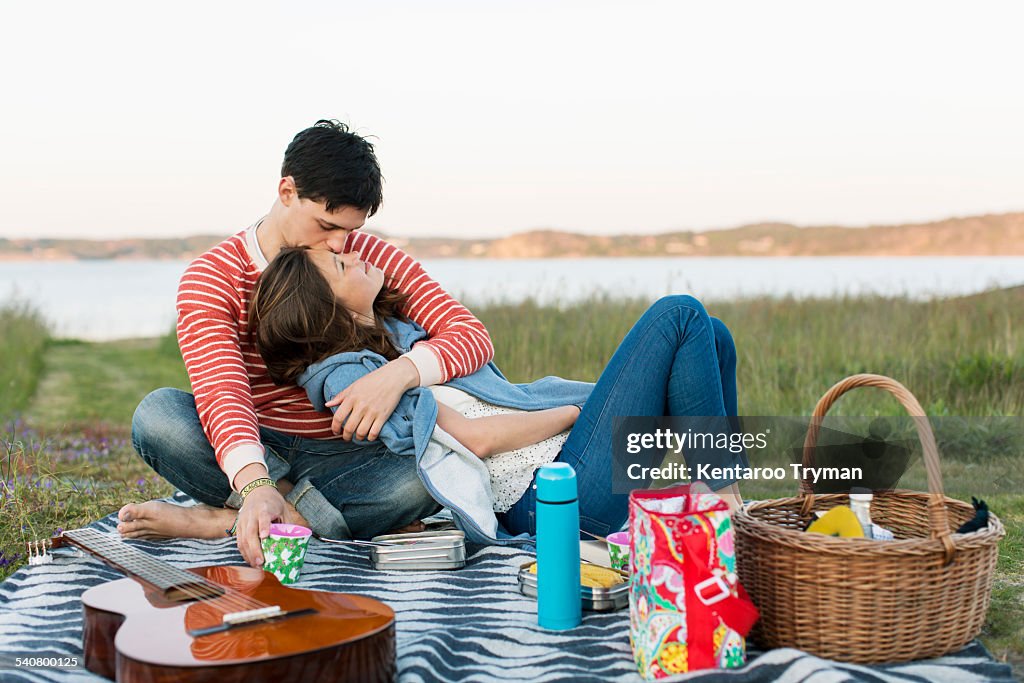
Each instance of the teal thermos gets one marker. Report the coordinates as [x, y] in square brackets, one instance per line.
[559, 604]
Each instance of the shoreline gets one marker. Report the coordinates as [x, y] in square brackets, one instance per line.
[6, 258]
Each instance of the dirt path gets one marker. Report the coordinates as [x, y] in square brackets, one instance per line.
[101, 382]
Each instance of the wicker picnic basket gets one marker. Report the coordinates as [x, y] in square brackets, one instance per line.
[860, 600]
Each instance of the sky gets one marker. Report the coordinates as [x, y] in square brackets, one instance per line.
[490, 118]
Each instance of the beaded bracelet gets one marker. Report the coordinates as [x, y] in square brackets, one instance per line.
[255, 484]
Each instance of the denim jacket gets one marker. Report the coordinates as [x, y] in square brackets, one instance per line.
[453, 475]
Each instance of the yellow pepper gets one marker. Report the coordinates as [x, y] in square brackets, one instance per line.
[839, 521]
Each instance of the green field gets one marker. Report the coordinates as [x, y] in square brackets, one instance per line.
[66, 406]
[23, 338]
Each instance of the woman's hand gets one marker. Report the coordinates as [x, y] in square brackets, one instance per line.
[574, 414]
[365, 405]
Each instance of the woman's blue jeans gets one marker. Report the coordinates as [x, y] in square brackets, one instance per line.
[676, 360]
[343, 490]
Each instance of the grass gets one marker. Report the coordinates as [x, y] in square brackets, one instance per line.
[65, 480]
[88, 383]
[23, 337]
[959, 357]
[67, 460]
[1003, 633]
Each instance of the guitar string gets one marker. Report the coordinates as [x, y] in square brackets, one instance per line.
[141, 563]
[184, 581]
[174, 577]
[118, 551]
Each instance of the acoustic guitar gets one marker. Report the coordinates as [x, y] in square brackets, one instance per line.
[222, 624]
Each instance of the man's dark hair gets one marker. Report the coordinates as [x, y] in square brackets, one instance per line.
[332, 164]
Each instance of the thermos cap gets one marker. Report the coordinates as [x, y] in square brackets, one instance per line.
[556, 483]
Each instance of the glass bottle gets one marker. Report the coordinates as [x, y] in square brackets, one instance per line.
[860, 503]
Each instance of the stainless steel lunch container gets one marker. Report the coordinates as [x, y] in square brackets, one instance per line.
[428, 550]
[594, 599]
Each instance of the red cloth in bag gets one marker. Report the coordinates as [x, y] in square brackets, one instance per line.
[687, 610]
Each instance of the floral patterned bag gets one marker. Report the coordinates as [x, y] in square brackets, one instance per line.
[687, 611]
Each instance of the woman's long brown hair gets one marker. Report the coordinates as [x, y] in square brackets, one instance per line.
[295, 319]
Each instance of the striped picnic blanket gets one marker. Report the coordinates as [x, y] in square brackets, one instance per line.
[465, 625]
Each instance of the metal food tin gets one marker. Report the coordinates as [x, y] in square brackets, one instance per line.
[594, 599]
[425, 551]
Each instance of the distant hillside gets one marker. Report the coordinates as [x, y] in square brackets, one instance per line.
[82, 250]
[988, 235]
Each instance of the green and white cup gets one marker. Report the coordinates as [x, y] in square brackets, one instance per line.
[284, 550]
[618, 550]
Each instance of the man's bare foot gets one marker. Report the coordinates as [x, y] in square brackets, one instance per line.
[155, 519]
[414, 527]
[292, 516]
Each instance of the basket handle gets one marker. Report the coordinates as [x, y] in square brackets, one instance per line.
[937, 514]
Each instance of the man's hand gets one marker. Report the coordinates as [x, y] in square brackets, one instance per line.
[366, 404]
[262, 507]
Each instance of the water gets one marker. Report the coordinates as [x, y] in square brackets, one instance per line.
[100, 300]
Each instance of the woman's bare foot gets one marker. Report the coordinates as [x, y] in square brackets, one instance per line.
[155, 519]
[731, 495]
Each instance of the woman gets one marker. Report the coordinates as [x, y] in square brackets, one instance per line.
[323, 320]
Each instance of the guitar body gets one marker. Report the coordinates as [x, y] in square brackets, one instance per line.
[133, 634]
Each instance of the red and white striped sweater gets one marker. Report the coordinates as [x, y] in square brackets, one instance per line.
[233, 392]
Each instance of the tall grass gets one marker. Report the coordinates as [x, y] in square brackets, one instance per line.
[23, 338]
[958, 356]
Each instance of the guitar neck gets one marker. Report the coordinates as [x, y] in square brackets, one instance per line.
[174, 583]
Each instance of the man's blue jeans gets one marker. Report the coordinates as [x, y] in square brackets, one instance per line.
[344, 490]
[676, 360]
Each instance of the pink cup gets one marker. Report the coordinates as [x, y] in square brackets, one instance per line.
[285, 550]
[618, 550]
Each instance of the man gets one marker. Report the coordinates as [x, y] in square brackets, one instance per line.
[229, 443]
